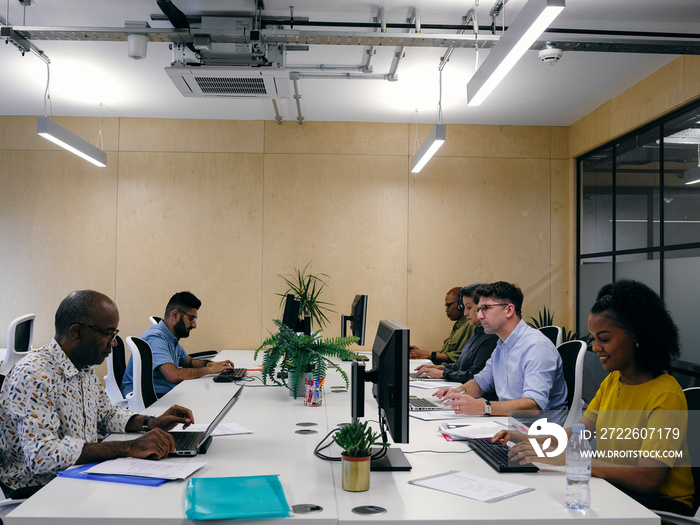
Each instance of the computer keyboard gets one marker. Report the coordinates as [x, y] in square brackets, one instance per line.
[496, 455]
[231, 374]
[421, 403]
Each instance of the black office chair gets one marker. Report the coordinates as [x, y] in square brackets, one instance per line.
[553, 333]
[144, 394]
[569, 352]
[116, 366]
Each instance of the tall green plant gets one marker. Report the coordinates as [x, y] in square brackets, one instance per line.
[308, 288]
[297, 355]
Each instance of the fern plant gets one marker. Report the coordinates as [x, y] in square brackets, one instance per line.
[357, 440]
[298, 355]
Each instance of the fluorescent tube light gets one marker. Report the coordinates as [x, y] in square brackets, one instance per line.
[532, 20]
[57, 134]
[429, 147]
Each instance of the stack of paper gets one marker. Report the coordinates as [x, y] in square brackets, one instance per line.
[474, 487]
[462, 432]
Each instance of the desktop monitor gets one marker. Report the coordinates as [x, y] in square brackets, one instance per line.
[290, 317]
[389, 378]
[358, 319]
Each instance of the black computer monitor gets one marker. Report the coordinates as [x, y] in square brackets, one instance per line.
[290, 317]
[389, 378]
[358, 319]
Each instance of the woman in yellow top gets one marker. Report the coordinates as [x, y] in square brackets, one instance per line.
[639, 414]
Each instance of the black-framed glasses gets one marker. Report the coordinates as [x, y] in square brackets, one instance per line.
[192, 318]
[111, 334]
[485, 307]
[447, 305]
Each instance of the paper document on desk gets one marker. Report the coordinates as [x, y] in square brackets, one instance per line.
[473, 487]
[222, 429]
[437, 415]
[465, 431]
[146, 468]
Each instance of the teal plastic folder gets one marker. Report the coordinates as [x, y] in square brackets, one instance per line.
[235, 497]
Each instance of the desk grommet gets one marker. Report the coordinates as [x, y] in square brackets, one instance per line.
[369, 510]
[305, 431]
[307, 424]
[306, 508]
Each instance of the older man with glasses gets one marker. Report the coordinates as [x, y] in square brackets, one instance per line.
[54, 410]
[461, 331]
[525, 370]
[171, 364]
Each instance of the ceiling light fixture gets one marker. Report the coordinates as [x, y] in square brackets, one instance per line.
[435, 139]
[57, 134]
[532, 20]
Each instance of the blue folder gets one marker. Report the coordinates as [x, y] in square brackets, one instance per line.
[79, 473]
[235, 497]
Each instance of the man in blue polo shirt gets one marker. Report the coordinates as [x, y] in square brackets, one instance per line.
[524, 371]
[171, 364]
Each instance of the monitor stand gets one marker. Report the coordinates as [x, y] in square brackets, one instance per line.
[394, 460]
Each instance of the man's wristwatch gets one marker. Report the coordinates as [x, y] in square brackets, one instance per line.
[145, 427]
[487, 408]
[433, 357]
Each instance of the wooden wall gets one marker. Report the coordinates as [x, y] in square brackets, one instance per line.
[221, 208]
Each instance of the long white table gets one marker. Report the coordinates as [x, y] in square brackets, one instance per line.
[275, 447]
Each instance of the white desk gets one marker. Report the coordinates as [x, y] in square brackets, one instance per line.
[275, 448]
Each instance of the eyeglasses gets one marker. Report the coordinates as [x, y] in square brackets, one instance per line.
[447, 305]
[192, 318]
[111, 334]
[485, 308]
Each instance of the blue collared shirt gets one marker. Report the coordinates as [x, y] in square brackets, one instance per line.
[166, 349]
[525, 365]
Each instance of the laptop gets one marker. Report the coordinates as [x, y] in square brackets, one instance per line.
[193, 443]
[422, 403]
[413, 376]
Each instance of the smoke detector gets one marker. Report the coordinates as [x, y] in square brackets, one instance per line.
[550, 54]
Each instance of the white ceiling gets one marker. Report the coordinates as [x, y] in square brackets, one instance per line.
[85, 74]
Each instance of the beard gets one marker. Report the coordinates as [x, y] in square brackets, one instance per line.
[181, 331]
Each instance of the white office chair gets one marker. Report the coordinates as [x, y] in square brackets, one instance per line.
[155, 319]
[589, 375]
[116, 365]
[144, 394]
[554, 333]
[19, 342]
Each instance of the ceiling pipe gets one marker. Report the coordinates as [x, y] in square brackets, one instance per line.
[469, 17]
[399, 53]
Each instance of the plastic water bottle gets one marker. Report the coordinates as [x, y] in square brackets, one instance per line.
[578, 470]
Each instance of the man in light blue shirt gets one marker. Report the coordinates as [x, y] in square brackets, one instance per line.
[524, 371]
[171, 364]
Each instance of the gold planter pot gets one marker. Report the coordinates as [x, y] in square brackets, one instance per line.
[355, 473]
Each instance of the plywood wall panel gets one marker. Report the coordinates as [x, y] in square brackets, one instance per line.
[476, 220]
[347, 215]
[192, 221]
[178, 135]
[57, 233]
[494, 141]
[646, 100]
[336, 138]
[691, 77]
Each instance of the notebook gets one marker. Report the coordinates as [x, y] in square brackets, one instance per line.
[192, 443]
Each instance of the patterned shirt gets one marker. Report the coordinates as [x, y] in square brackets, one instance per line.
[48, 411]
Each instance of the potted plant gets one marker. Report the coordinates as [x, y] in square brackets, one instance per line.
[298, 355]
[356, 440]
[307, 288]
